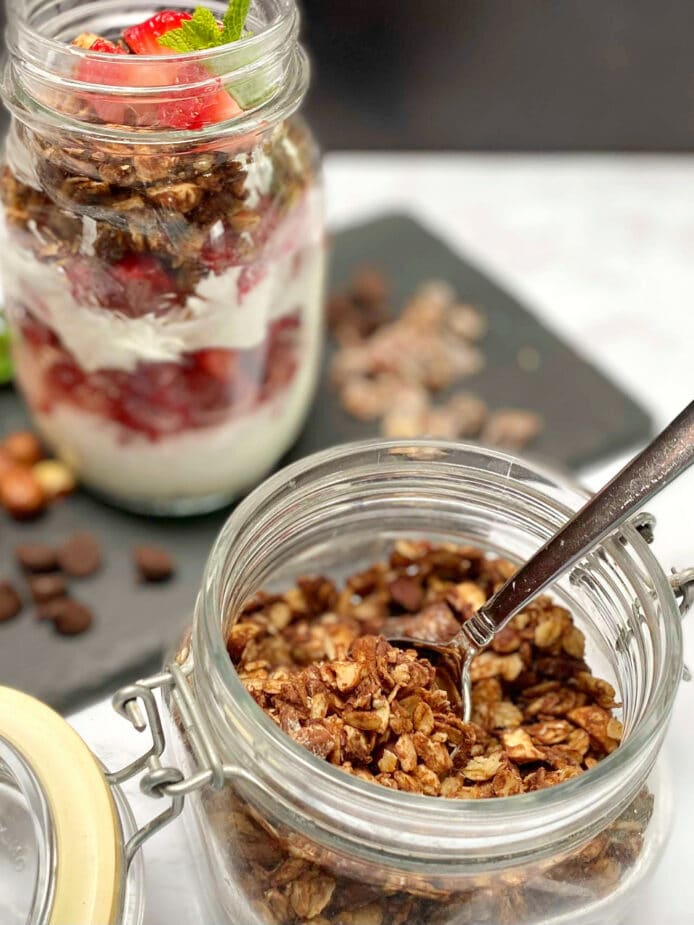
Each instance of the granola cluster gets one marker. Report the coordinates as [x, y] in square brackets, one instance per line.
[313, 661]
[394, 370]
[192, 210]
[316, 661]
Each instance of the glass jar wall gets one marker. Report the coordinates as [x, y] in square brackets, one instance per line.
[162, 251]
[291, 839]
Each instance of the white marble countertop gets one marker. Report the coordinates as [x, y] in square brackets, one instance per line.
[602, 248]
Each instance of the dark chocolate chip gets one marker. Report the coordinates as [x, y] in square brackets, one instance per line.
[10, 602]
[153, 564]
[80, 555]
[37, 557]
[69, 616]
[47, 587]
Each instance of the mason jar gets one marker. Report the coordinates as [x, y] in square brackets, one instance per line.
[289, 838]
[282, 837]
[162, 250]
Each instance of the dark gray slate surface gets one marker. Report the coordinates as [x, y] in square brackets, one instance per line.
[587, 418]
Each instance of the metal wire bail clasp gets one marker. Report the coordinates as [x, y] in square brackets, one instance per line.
[682, 584]
[138, 704]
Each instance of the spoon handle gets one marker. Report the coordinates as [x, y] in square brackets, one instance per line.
[663, 460]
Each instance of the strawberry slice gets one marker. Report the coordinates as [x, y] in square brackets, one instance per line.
[135, 285]
[93, 71]
[142, 39]
[107, 47]
[145, 284]
[217, 362]
[207, 107]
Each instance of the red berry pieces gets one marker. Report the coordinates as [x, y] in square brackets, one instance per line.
[142, 39]
[143, 280]
[195, 107]
[107, 47]
[217, 362]
[136, 285]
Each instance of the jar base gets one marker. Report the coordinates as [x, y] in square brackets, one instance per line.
[175, 507]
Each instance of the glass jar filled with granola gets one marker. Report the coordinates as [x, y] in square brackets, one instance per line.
[162, 254]
[332, 779]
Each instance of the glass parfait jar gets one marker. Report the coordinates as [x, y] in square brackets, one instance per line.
[282, 837]
[288, 838]
[162, 251]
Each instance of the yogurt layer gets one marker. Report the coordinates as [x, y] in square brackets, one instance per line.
[224, 312]
[214, 462]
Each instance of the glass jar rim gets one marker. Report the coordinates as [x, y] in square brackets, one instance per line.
[272, 33]
[443, 815]
[36, 62]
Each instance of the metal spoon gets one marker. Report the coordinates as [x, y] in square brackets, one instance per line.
[649, 472]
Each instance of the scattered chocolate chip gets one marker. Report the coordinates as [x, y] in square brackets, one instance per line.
[37, 557]
[47, 587]
[153, 563]
[10, 602]
[69, 616]
[80, 555]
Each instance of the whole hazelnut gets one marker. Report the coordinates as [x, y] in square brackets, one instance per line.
[23, 447]
[54, 477]
[6, 462]
[20, 493]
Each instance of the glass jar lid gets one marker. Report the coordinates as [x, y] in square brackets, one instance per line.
[61, 843]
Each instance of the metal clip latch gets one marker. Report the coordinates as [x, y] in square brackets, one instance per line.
[682, 584]
[138, 703]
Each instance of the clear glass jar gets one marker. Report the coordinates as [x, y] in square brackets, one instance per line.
[288, 838]
[162, 251]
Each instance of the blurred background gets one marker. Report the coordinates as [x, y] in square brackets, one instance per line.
[506, 75]
[523, 75]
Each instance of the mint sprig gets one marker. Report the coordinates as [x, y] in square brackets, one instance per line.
[203, 31]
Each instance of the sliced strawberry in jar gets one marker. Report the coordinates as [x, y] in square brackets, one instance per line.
[216, 362]
[136, 285]
[194, 107]
[146, 285]
[143, 38]
[106, 73]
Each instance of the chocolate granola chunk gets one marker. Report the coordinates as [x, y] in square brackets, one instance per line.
[320, 667]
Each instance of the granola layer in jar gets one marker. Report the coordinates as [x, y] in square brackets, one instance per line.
[353, 793]
[163, 249]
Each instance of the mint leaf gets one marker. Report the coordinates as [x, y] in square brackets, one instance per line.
[196, 34]
[175, 40]
[203, 31]
[235, 20]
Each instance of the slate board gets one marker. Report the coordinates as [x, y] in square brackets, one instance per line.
[586, 419]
